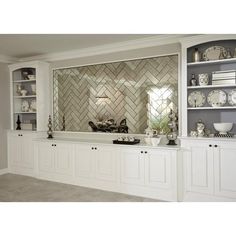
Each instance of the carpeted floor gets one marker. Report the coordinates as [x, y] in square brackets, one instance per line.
[17, 188]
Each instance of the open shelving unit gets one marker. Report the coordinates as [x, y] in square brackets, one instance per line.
[207, 113]
[30, 106]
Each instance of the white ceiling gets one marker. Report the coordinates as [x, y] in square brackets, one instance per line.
[53, 47]
[28, 45]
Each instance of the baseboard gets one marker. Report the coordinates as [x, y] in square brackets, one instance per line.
[3, 171]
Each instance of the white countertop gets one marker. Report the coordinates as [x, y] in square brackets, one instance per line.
[106, 142]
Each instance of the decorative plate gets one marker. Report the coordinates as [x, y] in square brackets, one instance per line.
[217, 98]
[33, 105]
[196, 99]
[213, 53]
[232, 97]
[25, 106]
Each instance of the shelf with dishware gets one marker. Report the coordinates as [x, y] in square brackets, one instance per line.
[25, 81]
[29, 85]
[210, 88]
[212, 108]
[27, 96]
[212, 62]
[25, 112]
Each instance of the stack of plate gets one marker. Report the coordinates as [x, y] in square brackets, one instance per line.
[224, 77]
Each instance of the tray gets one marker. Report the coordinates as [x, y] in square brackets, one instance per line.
[126, 142]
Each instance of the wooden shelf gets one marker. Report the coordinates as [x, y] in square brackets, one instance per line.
[212, 108]
[24, 81]
[223, 61]
[29, 96]
[212, 86]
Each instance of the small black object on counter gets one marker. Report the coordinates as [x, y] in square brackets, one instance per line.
[18, 122]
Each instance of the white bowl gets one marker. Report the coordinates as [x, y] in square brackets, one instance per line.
[223, 128]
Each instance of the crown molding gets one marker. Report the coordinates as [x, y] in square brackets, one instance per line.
[7, 59]
[198, 39]
[110, 48]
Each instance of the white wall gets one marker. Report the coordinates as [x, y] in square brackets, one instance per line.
[4, 112]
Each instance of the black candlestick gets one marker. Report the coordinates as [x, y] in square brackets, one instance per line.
[18, 122]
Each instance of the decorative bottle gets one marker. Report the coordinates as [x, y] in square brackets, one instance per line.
[221, 56]
[193, 81]
[228, 55]
[196, 55]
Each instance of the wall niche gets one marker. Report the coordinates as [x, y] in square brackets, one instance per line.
[140, 91]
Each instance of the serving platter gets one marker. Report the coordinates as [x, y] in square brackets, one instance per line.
[217, 98]
[232, 97]
[196, 99]
[213, 53]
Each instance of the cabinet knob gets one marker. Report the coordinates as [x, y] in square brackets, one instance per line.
[141, 151]
[95, 148]
[145, 152]
[92, 148]
[210, 145]
[216, 146]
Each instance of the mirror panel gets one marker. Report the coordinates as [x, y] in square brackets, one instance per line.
[140, 92]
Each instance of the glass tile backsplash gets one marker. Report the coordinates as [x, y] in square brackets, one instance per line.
[140, 91]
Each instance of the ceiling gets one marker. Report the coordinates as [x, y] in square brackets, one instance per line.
[52, 47]
[29, 45]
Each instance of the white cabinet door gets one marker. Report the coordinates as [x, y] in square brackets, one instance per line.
[14, 149]
[158, 169]
[46, 157]
[20, 151]
[63, 154]
[199, 169]
[225, 171]
[27, 153]
[106, 163]
[84, 161]
[132, 166]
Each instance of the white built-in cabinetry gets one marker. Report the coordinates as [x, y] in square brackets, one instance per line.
[33, 107]
[207, 113]
[144, 172]
[209, 170]
[21, 153]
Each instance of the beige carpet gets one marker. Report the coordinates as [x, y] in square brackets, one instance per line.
[17, 188]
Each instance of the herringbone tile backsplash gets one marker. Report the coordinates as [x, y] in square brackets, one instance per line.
[142, 91]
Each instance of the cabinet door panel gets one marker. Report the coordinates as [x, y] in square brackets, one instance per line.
[46, 157]
[84, 162]
[225, 171]
[158, 169]
[64, 159]
[132, 167]
[14, 150]
[106, 164]
[27, 155]
[200, 170]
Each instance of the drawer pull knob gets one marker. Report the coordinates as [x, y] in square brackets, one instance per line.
[95, 148]
[141, 151]
[92, 148]
[216, 145]
[145, 152]
[210, 145]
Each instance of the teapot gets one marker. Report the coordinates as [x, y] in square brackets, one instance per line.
[150, 132]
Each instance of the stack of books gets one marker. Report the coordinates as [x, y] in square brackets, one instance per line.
[224, 77]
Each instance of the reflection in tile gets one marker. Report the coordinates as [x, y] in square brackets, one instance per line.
[142, 91]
